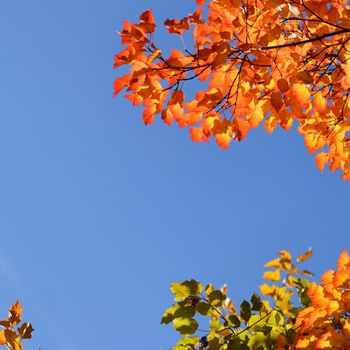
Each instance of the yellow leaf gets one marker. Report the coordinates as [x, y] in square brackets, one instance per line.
[273, 276]
[273, 263]
[285, 255]
[265, 289]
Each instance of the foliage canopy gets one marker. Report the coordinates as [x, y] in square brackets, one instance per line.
[274, 62]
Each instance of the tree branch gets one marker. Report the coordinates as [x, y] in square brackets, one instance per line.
[296, 43]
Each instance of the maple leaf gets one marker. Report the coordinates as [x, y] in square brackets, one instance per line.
[25, 331]
[177, 26]
[15, 313]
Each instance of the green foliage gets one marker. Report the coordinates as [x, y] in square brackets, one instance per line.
[206, 318]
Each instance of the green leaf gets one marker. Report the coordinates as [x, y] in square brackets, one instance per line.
[256, 302]
[234, 344]
[184, 310]
[302, 286]
[185, 326]
[234, 321]
[216, 298]
[214, 343]
[182, 290]
[215, 324]
[258, 341]
[203, 308]
[168, 315]
[276, 318]
[187, 344]
[275, 332]
[257, 322]
[284, 303]
[245, 311]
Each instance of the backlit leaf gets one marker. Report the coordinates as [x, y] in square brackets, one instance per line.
[273, 276]
[182, 290]
[185, 326]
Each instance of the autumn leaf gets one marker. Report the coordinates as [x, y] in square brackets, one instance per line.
[283, 85]
[2, 337]
[284, 71]
[121, 83]
[272, 275]
[276, 101]
[25, 331]
[307, 255]
[15, 313]
[321, 160]
[177, 26]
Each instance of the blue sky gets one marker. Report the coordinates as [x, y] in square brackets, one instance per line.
[99, 214]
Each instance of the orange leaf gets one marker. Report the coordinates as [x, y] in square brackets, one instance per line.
[197, 134]
[276, 101]
[343, 260]
[223, 140]
[305, 256]
[256, 118]
[178, 59]
[177, 27]
[305, 77]
[15, 313]
[346, 175]
[321, 160]
[283, 85]
[270, 124]
[25, 331]
[314, 142]
[2, 338]
[301, 94]
[222, 131]
[148, 115]
[320, 103]
[121, 83]
[147, 21]
[242, 128]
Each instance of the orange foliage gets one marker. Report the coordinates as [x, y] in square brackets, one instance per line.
[325, 324]
[14, 331]
[272, 62]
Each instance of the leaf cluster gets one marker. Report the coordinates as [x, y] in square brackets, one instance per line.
[206, 318]
[275, 63]
[13, 329]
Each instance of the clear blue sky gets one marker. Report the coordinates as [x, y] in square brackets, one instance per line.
[98, 213]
